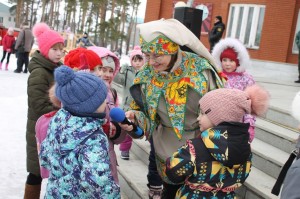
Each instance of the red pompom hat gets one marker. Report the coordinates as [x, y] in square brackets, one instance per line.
[231, 54]
[82, 58]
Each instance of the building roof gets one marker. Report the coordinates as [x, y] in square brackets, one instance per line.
[7, 4]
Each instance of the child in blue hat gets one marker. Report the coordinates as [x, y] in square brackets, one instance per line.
[75, 150]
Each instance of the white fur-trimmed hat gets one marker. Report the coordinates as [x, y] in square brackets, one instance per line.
[296, 107]
[238, 47]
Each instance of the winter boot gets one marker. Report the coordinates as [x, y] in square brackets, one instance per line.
[155, 192]
[32, 191]
[6, 66]
[0, 65]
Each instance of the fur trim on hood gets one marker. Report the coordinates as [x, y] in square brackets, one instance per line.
[239, 48]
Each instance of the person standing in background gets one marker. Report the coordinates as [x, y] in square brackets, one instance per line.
[7, 42]
[216, 32]
[26, 40]
[233, 59]
[129, 72]
[298, 45]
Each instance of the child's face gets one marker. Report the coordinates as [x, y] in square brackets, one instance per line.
[158, 62]
[137, 63]
[101, 108]
[97, 71]
[106, 73]
[56, 52]
[204, 122]
[228, 65]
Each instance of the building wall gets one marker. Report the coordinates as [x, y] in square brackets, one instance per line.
[278, 29]
[4, 12]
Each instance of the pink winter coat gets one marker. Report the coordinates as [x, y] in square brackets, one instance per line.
[111, 103]
[7, 42]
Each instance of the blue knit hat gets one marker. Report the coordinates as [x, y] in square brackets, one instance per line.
[79, 92]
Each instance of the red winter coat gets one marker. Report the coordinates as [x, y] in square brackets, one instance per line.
[7, 42]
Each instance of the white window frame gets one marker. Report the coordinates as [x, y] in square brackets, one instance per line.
[295, 49]
[255, 20]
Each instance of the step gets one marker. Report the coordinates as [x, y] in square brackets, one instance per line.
[257, 186]
[132, 176]
[268, 158]
[276, 135]
[282, 117]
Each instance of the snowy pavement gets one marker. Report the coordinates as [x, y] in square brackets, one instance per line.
[13, 110]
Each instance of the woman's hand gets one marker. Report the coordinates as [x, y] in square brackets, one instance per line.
[130, 116]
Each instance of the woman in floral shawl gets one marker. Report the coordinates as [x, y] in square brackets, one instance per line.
[167, 91]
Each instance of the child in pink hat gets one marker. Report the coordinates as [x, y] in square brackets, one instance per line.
[233, 57]
[41, 67]
[129, 72]
[216, 163]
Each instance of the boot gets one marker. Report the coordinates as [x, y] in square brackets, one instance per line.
[6, 66]
[32, 191]
[0, 65]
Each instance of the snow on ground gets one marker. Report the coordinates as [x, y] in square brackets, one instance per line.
[13, 117]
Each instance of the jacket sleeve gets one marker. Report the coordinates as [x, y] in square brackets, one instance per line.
[37, 90]
[19, 39]
[95, 172]
[181, 164]
[290, 188]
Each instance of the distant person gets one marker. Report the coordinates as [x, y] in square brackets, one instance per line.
[129, 72]
[216, 32]
[41, 78]
[76, 150]
[7, 43]
[84, 41]
[218, 161]
[298, 45]
[233, 59]
[23, 47]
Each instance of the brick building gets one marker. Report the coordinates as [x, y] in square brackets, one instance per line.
[266, 27]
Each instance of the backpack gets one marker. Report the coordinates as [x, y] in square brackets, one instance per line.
[41, 128]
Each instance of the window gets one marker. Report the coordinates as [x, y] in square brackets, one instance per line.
[295, 48]
[9, 18]
[1, 19]
[245, 23]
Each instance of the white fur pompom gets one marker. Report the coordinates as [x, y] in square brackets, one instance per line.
[39, 29]
[296, 107]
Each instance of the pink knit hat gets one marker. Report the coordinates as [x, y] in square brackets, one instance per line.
[230, 105]
[136, 51]
[46, 37]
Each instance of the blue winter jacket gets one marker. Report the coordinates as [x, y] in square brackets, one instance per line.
[76, 153]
